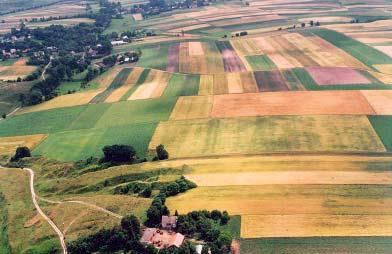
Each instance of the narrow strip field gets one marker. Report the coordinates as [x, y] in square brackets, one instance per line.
[231, 61]
[291, 103]
[153, 87]
[250, 135]
[8, 145]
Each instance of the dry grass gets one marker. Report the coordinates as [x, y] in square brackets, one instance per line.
[206, 86]
[8, 145]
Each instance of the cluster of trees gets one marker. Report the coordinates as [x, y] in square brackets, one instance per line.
[204, 225]
[124, 237]
[158, 207]
[21, 152]
[126, 154]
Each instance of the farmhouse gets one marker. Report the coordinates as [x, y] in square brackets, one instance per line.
[169, 222]
[161, 239]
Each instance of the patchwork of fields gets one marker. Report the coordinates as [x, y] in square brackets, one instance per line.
[288, 128]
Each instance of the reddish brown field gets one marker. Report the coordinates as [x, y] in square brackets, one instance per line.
[270, 81]
[291, 103]
[173, 59]
[336, 76]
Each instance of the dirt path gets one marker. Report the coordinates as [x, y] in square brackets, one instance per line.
[95, 207]
[11, 113]
[235, 247]
[51, 223]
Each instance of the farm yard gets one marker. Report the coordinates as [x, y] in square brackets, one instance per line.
[279, 111]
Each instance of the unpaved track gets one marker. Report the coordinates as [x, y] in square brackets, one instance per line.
[51, 223]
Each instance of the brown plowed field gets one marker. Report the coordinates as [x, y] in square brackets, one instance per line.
[270, 81]
[381, 101]
[291, 103]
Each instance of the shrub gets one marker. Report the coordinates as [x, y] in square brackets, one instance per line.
[21, 152]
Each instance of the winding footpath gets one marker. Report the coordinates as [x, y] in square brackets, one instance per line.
[51, 223]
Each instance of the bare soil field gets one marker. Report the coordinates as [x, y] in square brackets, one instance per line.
[332, 76]
[291, 103]
[270, 81]
[381, 101]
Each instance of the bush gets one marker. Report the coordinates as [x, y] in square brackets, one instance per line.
[162, 154]
[119, 154]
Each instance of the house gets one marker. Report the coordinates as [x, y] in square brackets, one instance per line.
[169, 222]
[161, 239]
[116, 43]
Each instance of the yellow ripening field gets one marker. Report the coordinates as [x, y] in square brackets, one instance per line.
[8, 145]
[305, 225]
[67, 100]
[153, 87]
[191, 107]
[131, 80]
[107, 78]
[283, 199]
[252, 135]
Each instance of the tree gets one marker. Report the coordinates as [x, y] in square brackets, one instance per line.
[131, 225]
[119, 154]
[146, 192]
[162, 153]
[303, 25]
[225, 218]
[21, 152]
[4, 115]
[311, 23]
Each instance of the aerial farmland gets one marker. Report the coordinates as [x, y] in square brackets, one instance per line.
[267, 123]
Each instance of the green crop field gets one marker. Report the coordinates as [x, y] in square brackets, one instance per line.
[40, 122]
[383, 125]
[81, 144]
[252, 135]
[182, 85]
[138, 111]
[120, 25]
[307, 245]
[366, 54]
[260, 63]
[154, 57]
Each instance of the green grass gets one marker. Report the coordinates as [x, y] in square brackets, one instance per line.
[383, 127]
[46, 246]
[117, 82]
[233, 227]
[261, 63]
[182, 85]
[74, 85]
[142, 78]
[4, 243]
[120, 25]
[362, 52]
[310, 84]
[154, 57]
[137, 111]
[81, 144]
[40, 122]
[359, 245]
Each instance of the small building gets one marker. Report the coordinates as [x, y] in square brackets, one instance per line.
[116, 43]
[161, 239]
[169, 222]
